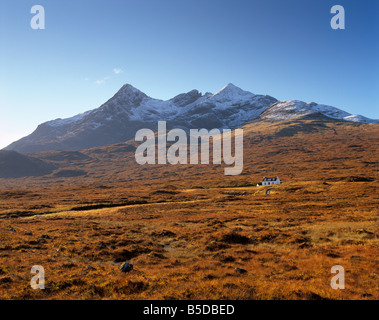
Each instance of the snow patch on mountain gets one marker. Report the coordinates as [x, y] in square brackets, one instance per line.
[359, 118]
[63, 122]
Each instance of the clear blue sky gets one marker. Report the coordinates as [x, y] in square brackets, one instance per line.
[164, 47]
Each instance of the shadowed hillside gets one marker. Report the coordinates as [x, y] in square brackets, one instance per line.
[15, 165]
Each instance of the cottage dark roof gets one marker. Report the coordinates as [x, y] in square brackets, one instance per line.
[270, 179]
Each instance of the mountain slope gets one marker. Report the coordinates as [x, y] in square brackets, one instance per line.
[129, 110]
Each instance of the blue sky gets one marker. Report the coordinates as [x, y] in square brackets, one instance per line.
[286, 49]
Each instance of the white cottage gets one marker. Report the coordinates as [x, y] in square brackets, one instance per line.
[270, 181]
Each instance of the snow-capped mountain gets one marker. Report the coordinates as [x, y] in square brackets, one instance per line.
[129, 110]
[295, 109]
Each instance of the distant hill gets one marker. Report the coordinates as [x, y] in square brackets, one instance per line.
[307, 147]
[15, 165]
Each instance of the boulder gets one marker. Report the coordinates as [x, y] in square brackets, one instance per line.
[126, 267]
[240, 270]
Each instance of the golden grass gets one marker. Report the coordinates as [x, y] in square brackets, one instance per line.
[185, 229]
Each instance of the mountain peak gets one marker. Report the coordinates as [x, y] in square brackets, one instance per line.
[128, 89]
[127, 96]
[232, 92]
[128, 86]
[184, 99]
[229, 87]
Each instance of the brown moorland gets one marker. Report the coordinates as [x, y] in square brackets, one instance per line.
[186, 228]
